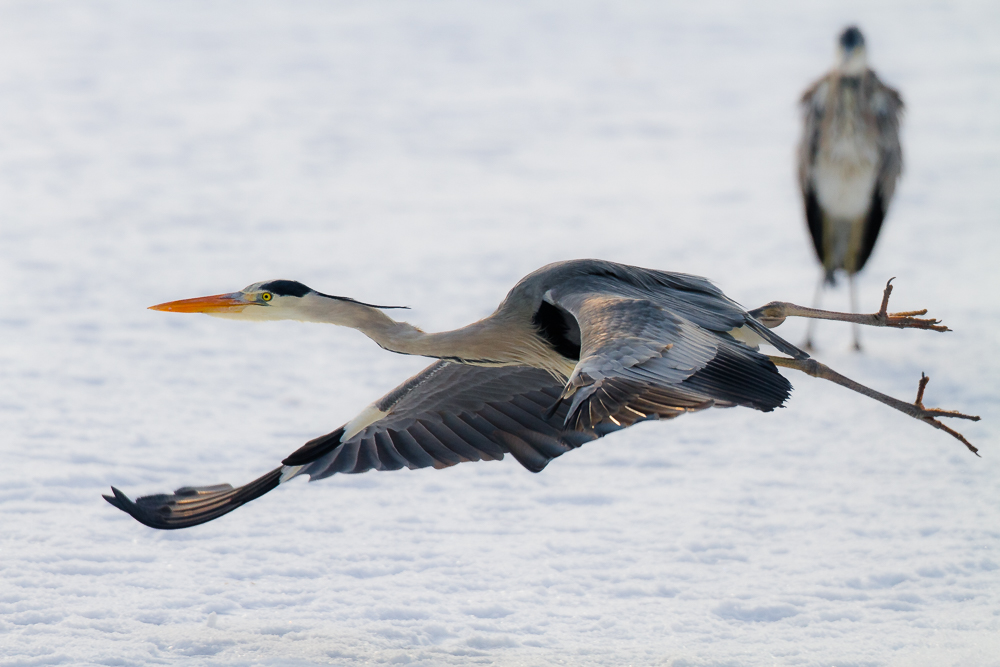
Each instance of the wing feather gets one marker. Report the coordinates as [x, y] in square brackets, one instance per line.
[190, 506]
[388, 455]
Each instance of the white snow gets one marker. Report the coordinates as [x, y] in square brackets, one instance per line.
[430, 154]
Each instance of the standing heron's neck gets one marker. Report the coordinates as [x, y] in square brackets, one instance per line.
[853, 63]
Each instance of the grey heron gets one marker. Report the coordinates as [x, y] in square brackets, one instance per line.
[849, 160]
[577, 350]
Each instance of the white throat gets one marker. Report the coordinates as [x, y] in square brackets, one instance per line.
[853, 64]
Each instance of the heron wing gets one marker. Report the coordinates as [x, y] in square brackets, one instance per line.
[812, 104]
[451, 413]
[886, 106]
[642, 360]
[446, 414]
[692, 298]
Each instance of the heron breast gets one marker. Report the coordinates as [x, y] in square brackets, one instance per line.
[844, 179]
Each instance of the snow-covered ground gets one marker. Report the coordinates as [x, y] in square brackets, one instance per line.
[430, 154]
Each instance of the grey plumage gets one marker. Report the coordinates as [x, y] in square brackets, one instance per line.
[849, 158]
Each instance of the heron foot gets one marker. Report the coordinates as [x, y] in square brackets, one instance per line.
[928, 415]
[904, 320]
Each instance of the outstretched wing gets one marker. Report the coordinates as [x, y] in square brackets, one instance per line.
[446, 414]
[642, 360]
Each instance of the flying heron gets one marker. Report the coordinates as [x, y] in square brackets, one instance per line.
[849, 160]
[577, 350]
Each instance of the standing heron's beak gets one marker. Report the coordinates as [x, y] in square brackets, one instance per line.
[220, 303]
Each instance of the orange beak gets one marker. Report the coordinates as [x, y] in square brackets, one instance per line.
[220, 303]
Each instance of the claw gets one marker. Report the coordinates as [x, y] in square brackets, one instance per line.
[928, 414]
[924, 379]
[906, 319]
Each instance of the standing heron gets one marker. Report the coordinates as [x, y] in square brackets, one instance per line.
[576, 350]
[849, 160]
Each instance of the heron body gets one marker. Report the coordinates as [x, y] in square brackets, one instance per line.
[849, 158]
[576, 350]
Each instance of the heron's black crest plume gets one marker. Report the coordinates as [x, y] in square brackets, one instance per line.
[286, 288]
[295, 288]
[370, 305]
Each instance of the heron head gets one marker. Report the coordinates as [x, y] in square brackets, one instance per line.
[268, 300]
[851, 51]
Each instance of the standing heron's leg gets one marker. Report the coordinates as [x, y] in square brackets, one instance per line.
[915, 409]
[774, 313]
[811, 324]
[855, 329]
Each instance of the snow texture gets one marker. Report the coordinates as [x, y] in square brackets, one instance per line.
[430, 154]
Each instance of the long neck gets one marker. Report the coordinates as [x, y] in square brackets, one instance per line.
[854, 62]
[490, 341]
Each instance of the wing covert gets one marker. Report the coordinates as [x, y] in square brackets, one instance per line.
[450, 413]
[639, 360]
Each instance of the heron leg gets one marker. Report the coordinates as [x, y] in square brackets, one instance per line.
[915, 409]
[774, 313]
[811, 324]
[855, 329]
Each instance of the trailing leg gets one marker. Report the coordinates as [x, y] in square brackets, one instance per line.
[774, 313]
[852, 290]
[811, 324]
[915, 409]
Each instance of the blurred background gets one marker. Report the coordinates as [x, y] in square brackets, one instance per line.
[430, 154]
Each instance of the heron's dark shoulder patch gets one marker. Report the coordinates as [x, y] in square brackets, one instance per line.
[286, 288]
[559, 329]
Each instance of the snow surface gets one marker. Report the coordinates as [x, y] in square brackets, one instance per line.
[430, 154]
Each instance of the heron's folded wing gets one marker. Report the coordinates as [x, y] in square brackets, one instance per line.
[691, 298]
[813, 107]
[446, 414]
[886, 106]
[639, 360]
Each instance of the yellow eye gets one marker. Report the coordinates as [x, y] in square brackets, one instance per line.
[266, 296]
